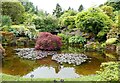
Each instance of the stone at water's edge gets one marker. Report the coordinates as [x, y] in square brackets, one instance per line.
[75, 59]
[31, 53]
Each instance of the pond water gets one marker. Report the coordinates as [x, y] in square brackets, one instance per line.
[47, 68]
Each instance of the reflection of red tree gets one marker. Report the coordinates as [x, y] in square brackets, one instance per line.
[47, 41]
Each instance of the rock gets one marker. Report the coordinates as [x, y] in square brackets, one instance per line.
[32, 54]
[75, 59]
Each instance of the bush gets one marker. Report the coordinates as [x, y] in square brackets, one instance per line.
[65, 38]
[46, 24]
[77, 40]
[93, 46]
[108, 10]
[28, 18]
[21, 30]
[110, 71]
[13, 9]
[47, 41]
[68, 21]
[69, 13]
[93, 20]
[6, 20]
[7, 37]
[68, 18]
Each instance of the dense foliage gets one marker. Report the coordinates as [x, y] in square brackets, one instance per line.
[114, 3]
[6, 20]
[65, 38]
[109, 11]
[68, 19]
[47, 23]
[93, 20]
[110, 71]
[69, 22]
[24, 31]
[28, 18]
[77, 40]
[118, 18]
[47, 41]
[29, 7]
[13, 9]
[68, 13]
[95, 28]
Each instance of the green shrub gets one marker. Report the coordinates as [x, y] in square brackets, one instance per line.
[77, 40]
[65, 38]
[28, 18]
[6, 20]
[21, 30]
[108, 10]
[69, 13]
[93, 46]
[46, 24]
[93, 20]
[13, 9]
[68, 21]
[110, 71]
[68, 18]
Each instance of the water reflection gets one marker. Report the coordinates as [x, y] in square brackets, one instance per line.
[50, 72]
[46, 68]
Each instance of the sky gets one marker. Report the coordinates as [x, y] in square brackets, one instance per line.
[49, 5]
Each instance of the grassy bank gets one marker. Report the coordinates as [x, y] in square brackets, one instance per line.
[6, 77]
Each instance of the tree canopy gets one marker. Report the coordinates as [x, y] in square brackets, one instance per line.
[13, 9]
[93, 20]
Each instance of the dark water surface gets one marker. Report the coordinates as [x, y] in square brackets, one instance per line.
[46, 68]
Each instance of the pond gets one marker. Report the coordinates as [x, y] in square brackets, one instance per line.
[47, 68]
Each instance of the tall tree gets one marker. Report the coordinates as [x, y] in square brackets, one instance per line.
[57, 11]
[80, 8]
[36, 10]
[70, 8]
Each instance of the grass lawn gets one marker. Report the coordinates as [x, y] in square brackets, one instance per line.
[5, 77]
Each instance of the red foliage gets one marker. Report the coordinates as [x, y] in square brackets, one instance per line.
[47, 41]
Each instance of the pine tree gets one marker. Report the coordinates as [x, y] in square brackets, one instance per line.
[80, 8]
[57, 11]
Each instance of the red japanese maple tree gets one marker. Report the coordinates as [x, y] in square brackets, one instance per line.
[47, 41]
